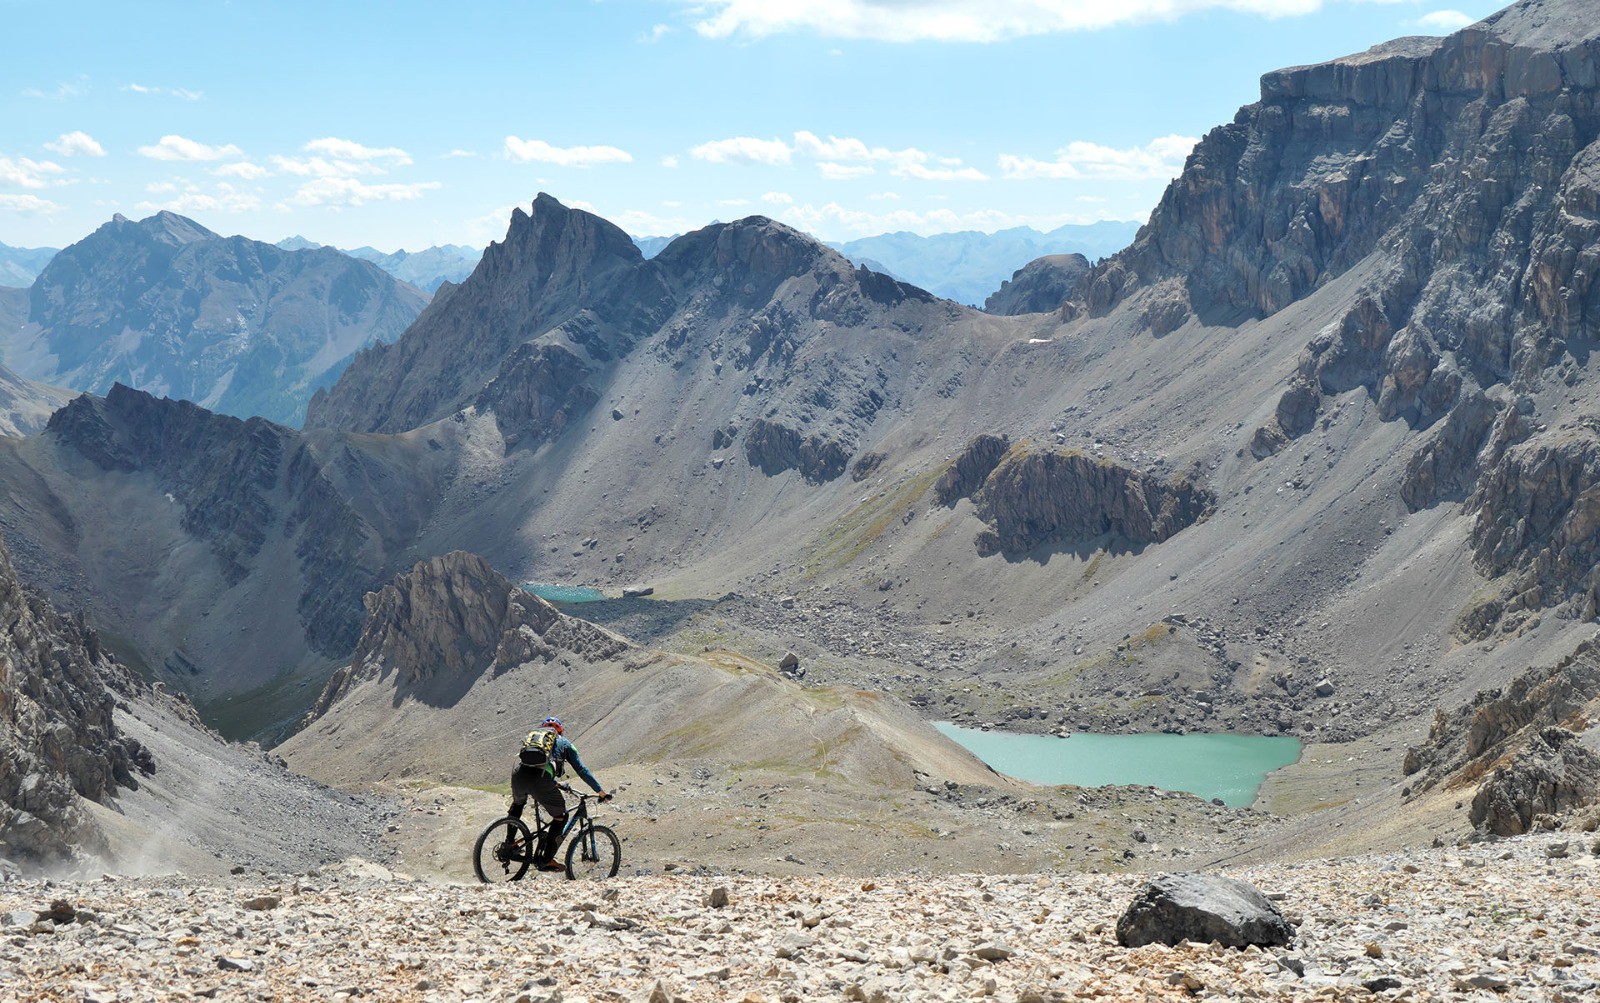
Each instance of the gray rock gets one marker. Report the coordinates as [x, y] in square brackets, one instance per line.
[1202, 908]
[1554, 774]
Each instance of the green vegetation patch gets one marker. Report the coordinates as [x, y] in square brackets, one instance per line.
[864, 525]
[267, 714]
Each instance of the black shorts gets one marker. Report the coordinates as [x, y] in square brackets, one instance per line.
[526, 780]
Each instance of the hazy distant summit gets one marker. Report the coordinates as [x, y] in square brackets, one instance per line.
[966, 266]
[427, 269]
[165, 305]
[19, 266]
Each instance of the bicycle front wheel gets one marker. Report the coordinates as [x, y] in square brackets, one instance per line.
[504, 851]
[594, 854]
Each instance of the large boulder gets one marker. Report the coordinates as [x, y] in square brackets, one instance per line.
[1202, 908]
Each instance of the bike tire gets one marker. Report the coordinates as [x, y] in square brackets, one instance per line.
[594, 855]
[503, 852]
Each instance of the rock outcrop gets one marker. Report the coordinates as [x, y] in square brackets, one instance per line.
[242, 327]
[58, 739]
[774, 448]
[1202, 908]
[1038, 496]
[1040, 286]
[967, 474]
[450, 619]
[1465, 744]
[1552, 775]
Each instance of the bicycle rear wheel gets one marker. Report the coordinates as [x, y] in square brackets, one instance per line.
[503, 851]
[594, 854]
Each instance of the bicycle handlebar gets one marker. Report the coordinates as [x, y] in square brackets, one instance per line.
[585, 794]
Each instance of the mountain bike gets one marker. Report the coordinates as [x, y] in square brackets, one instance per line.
[505, 850]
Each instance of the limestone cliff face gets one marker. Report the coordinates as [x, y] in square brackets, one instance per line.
[1462, 177]
[58, 740]
[170, 307]
[450, 619]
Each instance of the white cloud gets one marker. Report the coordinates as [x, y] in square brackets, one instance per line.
[885, 196]
[1444, 21]
[317, 167]
[844, 172]
[25, 173]
[743, 150]
[345, 149]
[76, 144]
[28, 205]
[656, 33]
[459, 155]
[733, 203]
[339, 192]
[538, 151]
[177, 92]
[243, 170]
[179, 148]
[915, 170]
[1161, 159]
[224, 198]
[778, 198]
[669, 162]
[62, 92]
[953, 20]
[842, 158]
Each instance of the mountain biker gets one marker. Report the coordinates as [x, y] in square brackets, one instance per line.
[540, 781]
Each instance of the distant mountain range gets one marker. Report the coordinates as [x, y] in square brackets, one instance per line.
[19, 266]
[427, 269]
[967, 266]
[166, 305]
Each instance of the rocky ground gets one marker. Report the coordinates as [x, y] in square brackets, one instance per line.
[1510, 919]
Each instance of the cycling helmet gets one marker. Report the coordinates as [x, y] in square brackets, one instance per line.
[552, 722]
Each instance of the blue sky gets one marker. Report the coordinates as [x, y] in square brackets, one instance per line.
[401, 124]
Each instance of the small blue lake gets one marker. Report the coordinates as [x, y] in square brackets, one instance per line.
[1230, 767]
[563, 593]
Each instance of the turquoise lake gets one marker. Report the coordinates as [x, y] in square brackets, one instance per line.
[564, 593]
[1230, 767]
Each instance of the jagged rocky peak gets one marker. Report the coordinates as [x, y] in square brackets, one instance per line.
[59, 741]
[449, 620]
[552, 244]
[564, 293]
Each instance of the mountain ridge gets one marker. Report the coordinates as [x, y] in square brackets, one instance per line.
[233, 323]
